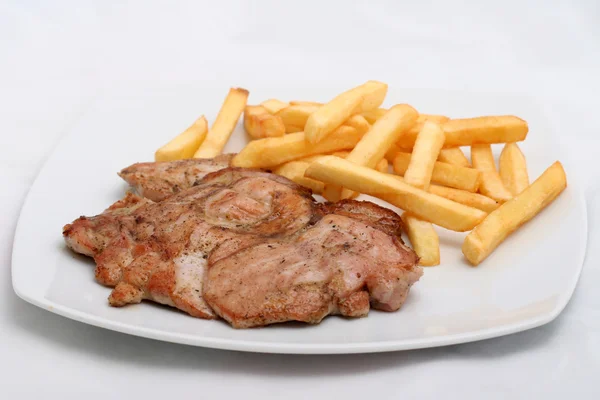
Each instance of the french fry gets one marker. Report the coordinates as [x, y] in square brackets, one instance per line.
[491, 185]
[305, 103]
[407, 141]
[423, 205]
[309, 159]
[259, 123]
[373, 115]
[359, 123]
[185, 144]
[294, 129]
[272, 152]
[294, 171]
[341, 154]
[330, 116]
[375, 143]
[513, 169]
[274, 105]
[480, 130]
[423, 238]
[392, 152]
[444, 174]
[219, 133]
[438, 119]
[511, 215]
[382, 166]
[454, 155]
[427, 147]
[296, 115]
[474, 200]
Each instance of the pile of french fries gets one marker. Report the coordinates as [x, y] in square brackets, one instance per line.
[344, 147]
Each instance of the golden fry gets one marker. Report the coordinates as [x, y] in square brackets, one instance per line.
[359, 123]
[454, 155]
[375, 143]
[480, 130]
[294, 171]
[513, 169]
[474, 200]
[185, 144]
[444, 174]
[424, 239]
[382, 166]
[271, 152]
[309, 159]
[296, 115]
[330, 116]
[407, 141]
[427, 147]
[393, 152]
[274, 105]
[511, 215]
[373, 115]
[305, 103]
[491, 185]
[219, 133]
[259, 123]
[424, 205]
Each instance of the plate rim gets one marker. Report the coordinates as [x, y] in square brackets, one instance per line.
[575, 183]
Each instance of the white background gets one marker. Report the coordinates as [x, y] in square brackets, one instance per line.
[56, 57]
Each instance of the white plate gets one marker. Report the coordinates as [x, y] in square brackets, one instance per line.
[525, 283]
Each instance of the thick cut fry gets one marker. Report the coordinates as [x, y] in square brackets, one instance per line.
[274, 105]
[259, 123]
[513, 169]
[474, 200]
[359, 123]
[407, 141]
[373, 115]
[427, 147]
[309, 159]
[392, 152]
[305, 103]
[219, 133]
[480, 130]
[444, 174]
[491, 185]
[438, 119]
[185, 144]
[271, 152]
[294, 171]
[296, 115]
[382, 166]
[375, 143]
[511, 215]
[424, 205]
[330, 116]
[293, 129]
[454, 155]
[423, 238]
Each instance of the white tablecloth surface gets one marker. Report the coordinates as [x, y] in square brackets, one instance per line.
[57, 56]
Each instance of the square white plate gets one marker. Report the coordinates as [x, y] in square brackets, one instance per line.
[526, 283]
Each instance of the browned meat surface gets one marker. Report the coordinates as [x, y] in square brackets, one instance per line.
[159, 180]
[251, 247]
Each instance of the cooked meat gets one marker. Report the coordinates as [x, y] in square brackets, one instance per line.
[251, 247]
[159, 180]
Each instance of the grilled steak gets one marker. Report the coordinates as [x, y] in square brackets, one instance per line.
[251, 247]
